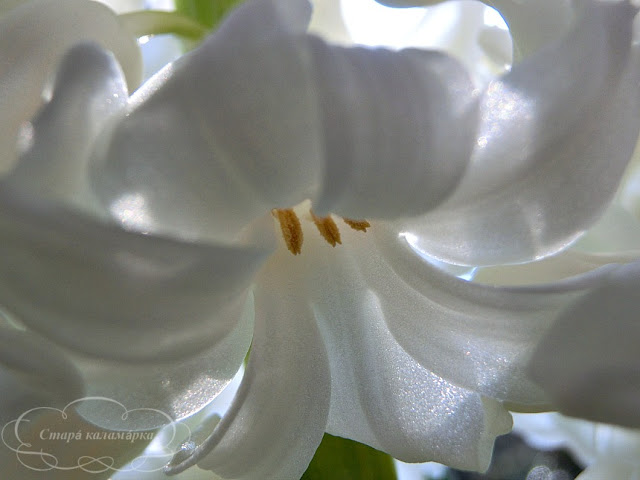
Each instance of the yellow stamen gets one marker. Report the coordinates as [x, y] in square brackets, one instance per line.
[359, 225]
[291, 228]
[328, 229]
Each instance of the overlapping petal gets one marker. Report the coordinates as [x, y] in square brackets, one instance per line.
[589, 362]
[28, 56]
[532, 23]
[178, 388]
[477, 336]
[555, 137]
[117, 294]
[44, 377]
[214, 141]
[380, 395]
[88, 91]
[279, 414]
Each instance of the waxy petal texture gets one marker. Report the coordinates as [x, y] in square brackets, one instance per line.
[213, 142]
[42, 378]
[111, 293]
[380, 395]
[589, 362]
[88, 91]
[477, 336]
[34, 38]
[556, 134]
[279, 414]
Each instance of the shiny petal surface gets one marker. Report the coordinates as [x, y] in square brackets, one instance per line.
[381, 396]
[88, 90]
[41, 378]
[35, 35]
[280, 412]
[213, 142]
[398, 129]
[476, 336]
[178, 388]
[555, 137]
[589, 362]
[116, 294]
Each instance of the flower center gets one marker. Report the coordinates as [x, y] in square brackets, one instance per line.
[291, 228]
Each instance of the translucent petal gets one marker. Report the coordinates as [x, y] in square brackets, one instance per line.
[476, 336]
[33, 374]
[398, 129]
[383, 397]
[379, 394]
[279, 414]
[34, 37]
[201, 146]
[588, 362]
[555, 137]
[178, 388]
[88, 90]
[116, 294]
[532, 23]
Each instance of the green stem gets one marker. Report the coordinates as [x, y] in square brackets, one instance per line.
[153, 22]
[206, 12]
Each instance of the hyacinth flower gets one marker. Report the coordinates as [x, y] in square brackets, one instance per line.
[274, 191]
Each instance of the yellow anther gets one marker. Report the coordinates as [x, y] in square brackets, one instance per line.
[359, 225]
[291, 228]
[328, 229]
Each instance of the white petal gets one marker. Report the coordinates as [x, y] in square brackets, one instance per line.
[398, 129]
[589, 362]
[379, 394]
[532, 23]
[213, 142]
[476, 336]
[555, 137]
[88, 90]
[383, 397]
[116, 294]
[279, 415]
[33, 374]
[178, 388]
[34, 37]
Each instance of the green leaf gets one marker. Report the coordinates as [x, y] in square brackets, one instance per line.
[206, 12]
[341, 459]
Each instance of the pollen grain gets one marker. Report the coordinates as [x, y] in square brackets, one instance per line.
[291, 228]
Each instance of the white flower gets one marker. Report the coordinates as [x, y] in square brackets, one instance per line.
[140, 234]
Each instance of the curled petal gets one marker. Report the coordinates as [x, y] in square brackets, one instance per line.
[476, 336]
[381, 396]
[116, 294]
[35, 35]
[398, 129]
[33, 374]
[589, 362]
[279, 414]
[178, 388]
[365, 133]
[555, 137]
[532, 23]
[88, 90]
